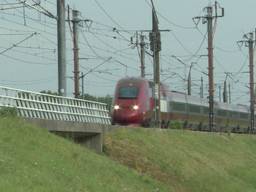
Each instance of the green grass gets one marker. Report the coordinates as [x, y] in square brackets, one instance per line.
[31, 159]
[188, 161]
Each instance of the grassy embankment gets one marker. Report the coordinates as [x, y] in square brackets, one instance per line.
[31, 159]
[188, 161]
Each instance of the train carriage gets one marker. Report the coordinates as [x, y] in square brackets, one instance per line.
[134, 105]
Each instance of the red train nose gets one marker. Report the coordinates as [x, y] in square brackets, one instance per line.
[127, 116]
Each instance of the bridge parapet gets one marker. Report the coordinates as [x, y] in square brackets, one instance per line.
[50, 107]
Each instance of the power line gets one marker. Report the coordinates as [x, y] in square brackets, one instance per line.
[226, 50]
[37, 55]
[7, 3]
[40, 10]
[15, 30]
[198, 49]
[35, 29]
[29, 82]
[97, 66]
[28, 62]
[14, 45]
[168, 20]
[40, 48]
[103, 42]
[108, 15]
[220, 64]
[180, 43]
[94, 32]
[242, 67]
[51, 3]
[9, 8]
[91, 47]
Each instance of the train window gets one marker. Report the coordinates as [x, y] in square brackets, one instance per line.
[194, 108]
[179, 106]
[128, 92]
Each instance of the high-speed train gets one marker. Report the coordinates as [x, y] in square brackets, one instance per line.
[133, 104]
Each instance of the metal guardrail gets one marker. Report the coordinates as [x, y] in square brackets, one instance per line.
[43, 106]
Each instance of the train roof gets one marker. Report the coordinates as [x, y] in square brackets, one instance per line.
[132, 79]
[184, 98]
[233, 107]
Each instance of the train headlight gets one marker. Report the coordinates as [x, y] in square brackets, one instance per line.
[116, 107]
[135, 107]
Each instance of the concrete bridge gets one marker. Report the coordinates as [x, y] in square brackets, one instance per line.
[88, 134]
[83, 121]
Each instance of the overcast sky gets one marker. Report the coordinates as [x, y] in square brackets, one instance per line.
[32, 63]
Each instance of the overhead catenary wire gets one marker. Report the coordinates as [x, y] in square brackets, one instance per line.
[43, 10]
[168, 20]
[176, 37]
[24, 15]
[28, 82]
[29, 62]
[34, 28]
[103, 42]
[109, 16]
[38, 55]
[93, 48]
[38, 47]
[99, 37]
[7, 3]
[14, 45]
[198, 49]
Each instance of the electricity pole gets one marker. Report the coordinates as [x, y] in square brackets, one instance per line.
[209, 20]
[155, 46]
[189, 78]
[75, 21]
[249, 42]
[219, 93]
[210, 68]
[140, 41]
[82, 77]
[142, 55]
[202, 88]
[250, 45]
[229, 93]
[189, 83]
[62, 85]
[225, 98]
[225, 92]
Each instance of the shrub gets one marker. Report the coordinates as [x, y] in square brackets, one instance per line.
[175, 125]
[8, 111]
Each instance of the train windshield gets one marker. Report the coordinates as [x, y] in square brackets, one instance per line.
[128, 92]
